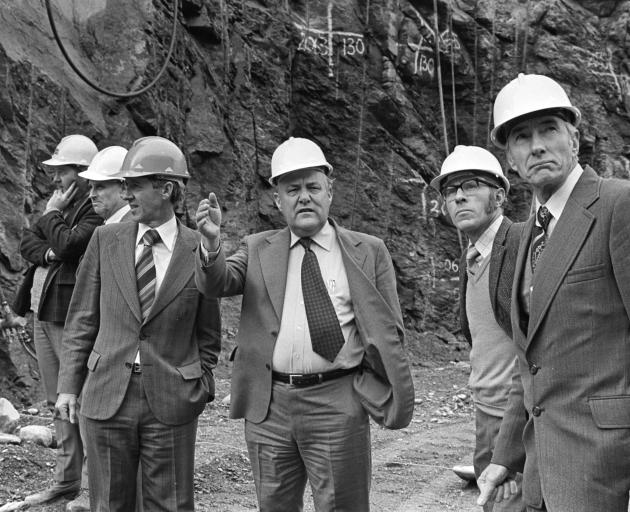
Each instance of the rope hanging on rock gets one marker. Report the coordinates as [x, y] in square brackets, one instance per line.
[357, 163]
[438, 71]
[492, 70]
[88, 81]
[452, 40]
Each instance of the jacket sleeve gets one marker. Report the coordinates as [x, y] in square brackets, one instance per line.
[69, 242]
[509, 450]
[209, 335]
[222, 277]
[620, 246]
[82, 322]
[33, 246]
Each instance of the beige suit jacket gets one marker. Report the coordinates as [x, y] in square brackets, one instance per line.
[258, 272]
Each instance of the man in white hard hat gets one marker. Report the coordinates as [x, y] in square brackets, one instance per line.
[570, 314]
[54, 245]
[141, 343]
[474, 190]
[106, 191]
[320, 343]
[107, 201]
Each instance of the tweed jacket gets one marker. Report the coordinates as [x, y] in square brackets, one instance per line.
[574, 355]
[258, 272]
[67, 234]
[502, 261]
[179, 341]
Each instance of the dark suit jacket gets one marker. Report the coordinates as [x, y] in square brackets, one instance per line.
[575, 356]
[502, 261]
[179, 342]
[258, 272]
[67, 235]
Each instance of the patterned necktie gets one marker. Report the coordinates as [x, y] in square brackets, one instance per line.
[472, 261]
[539, 234]
[323, 324]
[145, 272]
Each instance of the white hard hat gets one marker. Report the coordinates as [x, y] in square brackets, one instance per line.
[73, 150]
[294, 154]
[473, 159]
[527, 94]
[105, 164]
[154, 156]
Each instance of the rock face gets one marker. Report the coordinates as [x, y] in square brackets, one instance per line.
[386, 87]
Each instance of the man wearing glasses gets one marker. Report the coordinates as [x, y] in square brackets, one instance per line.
[474, 189]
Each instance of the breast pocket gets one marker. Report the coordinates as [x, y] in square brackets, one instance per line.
[578, 275]
[610, 411]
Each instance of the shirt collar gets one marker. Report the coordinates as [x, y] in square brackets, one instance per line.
[167, 231]
[485, 241]
[118, 215]
[323, 238]
[558, 200]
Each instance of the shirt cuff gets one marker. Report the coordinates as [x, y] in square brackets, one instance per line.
[207, 257]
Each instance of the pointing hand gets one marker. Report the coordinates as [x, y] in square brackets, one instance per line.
[209, 222]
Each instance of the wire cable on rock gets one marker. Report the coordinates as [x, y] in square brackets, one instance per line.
[88, 81]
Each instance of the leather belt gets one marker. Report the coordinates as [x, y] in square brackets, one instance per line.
[302, 380]
[135, 367]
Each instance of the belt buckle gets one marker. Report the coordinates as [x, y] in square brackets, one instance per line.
[291, 377]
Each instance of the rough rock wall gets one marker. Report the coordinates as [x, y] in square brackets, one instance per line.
[361, 77]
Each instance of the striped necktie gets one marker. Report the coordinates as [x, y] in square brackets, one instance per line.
[145, 272]
[539, 234]
[323, 324]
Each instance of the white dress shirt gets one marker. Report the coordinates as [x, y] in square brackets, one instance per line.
[293, 352]
[118, 215]
[162, 251]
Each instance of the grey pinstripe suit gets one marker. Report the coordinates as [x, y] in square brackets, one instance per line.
[178, 347]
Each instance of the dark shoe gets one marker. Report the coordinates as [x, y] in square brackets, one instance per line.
[81, 503]
[56, 490]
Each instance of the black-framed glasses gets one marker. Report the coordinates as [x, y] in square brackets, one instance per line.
[468, 187]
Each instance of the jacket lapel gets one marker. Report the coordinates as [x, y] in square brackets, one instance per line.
[179, 271]
[519, 319]
[122, 258]
[274, 261]
[496, 260]
[562, 247]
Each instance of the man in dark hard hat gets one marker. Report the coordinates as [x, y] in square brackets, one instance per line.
[140, 343]
[570, 314]
[320, 343]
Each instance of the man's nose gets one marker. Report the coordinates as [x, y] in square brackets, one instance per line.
[538, 142]
[459, 195]
[304, 196]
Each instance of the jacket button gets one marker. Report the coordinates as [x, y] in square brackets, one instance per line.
[128, 365]
[142, 336]
[268, 366]
[536, 410]
[533, 369]
[274, 333]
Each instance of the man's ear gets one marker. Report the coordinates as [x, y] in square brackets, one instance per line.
[167, 189]
[276, 199]
[500, 197]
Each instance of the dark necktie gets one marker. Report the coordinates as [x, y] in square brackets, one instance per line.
[539, 234]
[323, 324]
[145, 272]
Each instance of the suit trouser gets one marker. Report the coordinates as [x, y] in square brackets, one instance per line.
[486, 433]
[134, 435]
[320, 433]
[70, 462]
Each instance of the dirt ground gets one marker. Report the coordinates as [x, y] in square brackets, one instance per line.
[411, 467]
